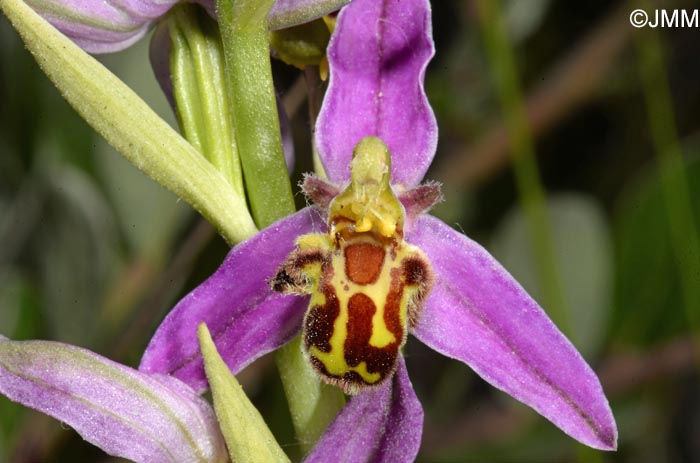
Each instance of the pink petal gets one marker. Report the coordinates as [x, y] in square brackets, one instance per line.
[246, 318]
[479, 314]
[102, 26]
[129, 414]
[378, 55]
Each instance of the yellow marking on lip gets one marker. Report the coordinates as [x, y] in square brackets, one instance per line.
[381, 336]
[314, 241]
[337, 366]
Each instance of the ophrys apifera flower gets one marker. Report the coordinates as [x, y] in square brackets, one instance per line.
[378, 267]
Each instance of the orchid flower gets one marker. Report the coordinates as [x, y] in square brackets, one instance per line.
[113, 25]
[458, 299]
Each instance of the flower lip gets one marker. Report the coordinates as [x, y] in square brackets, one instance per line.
[366, 284]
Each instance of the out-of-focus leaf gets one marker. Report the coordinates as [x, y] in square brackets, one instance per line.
[19, 215]
[76, 250]
[523, 18]
[11, 288]
[648, 293]
[584, 260]
[18, 317]
[19, 308]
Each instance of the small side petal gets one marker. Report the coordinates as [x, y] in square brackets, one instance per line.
[129, 414]
[246, 317]
[102, 26]
[479, 314]
[381, 426]
[378, 55]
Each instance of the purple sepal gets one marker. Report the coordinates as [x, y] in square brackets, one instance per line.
[246, 318]
[479, 314]
[382, 425]
[377, 56]
[127, 413]
[102, 26]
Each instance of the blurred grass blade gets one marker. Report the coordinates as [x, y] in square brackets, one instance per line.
[530, 189]
[246, 434]
[674, 183]
[129, 125]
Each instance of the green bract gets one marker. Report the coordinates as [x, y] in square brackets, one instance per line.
[129, 125]
[247, 436]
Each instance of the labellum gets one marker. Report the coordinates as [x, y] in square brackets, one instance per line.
[367, 284]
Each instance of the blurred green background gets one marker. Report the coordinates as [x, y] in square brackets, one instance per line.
[597, 218]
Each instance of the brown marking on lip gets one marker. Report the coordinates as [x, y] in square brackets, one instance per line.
[319, 321]
[419, 276]
[350, 382]
[363, 262]
[290, 278]
[357, 348]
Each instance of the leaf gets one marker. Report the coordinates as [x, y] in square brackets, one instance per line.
[77, 253]
[648, 292]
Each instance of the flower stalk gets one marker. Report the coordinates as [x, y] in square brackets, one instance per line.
[244, 33]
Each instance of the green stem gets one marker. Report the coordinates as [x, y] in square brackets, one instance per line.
[244, 33]
[682, 228]
[532, 194]
[312, 404]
